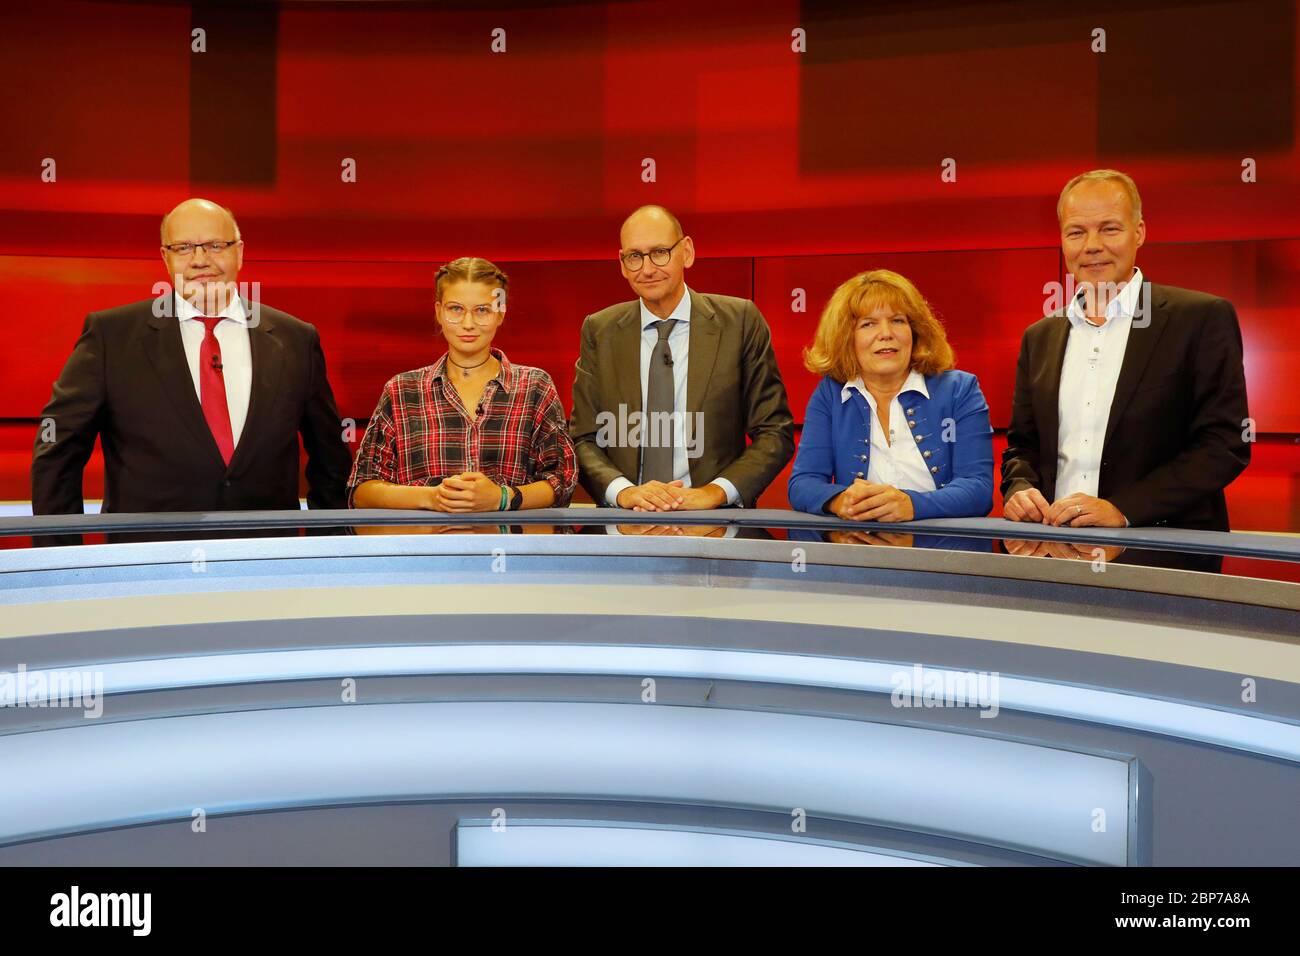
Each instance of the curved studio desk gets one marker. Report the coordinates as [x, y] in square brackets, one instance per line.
[482, 698]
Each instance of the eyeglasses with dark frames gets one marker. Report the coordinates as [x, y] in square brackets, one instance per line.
[635, 259]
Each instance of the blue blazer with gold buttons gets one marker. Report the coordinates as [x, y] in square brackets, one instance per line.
[951, 428]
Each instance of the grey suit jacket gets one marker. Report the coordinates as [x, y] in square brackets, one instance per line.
[733, 380]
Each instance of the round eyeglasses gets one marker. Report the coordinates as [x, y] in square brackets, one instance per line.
[482, 314]
[635, 259]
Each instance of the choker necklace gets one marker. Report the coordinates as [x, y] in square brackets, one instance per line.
[464, 369]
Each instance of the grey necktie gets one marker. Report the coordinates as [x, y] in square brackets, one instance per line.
[657, 436]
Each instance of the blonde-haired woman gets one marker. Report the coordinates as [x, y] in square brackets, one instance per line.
[471, 432]
[893, 432]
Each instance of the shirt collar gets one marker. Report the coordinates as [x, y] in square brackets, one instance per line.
[506, 376]
[682, 313]
[915, 383]
[1122, 306]
[234, 310]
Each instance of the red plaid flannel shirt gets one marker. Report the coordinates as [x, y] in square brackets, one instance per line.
[420, 432]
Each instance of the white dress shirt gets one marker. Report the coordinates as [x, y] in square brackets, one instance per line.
[894, 460]
[236, 356]
[679, 340]
[1094, 355]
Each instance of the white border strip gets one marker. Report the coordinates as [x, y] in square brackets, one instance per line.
[1021, 796]
[609, 843]
[1220, 728]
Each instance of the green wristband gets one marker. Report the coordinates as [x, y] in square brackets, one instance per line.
[505, 499]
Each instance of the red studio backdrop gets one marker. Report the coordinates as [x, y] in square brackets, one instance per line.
[792, 170]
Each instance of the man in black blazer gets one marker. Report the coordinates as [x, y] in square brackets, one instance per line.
[199, 396]
[1130, 403]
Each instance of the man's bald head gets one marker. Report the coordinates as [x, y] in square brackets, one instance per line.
[653, 233]
[203, 274]
[652, 215]
[202, 209]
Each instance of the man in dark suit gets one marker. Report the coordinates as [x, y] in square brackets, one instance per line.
[199, 396]
[1130, 403]
[669, 385]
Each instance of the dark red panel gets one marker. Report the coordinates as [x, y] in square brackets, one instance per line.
[103, 89]
[536, 153]
[1262, 279]
[45, 302]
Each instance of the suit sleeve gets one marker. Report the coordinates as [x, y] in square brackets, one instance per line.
[1020, 464]
[769, 424]
[1216, 451]
[328, 458]
[970, 492]
[812, 481]
[71, 420]
[595, 470]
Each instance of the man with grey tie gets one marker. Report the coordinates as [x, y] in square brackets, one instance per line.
[669, 386]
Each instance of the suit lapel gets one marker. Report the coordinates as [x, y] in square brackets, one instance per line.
[166, 353]
[1142, 340]
[1050, 388]
[703, 352]
[267, 355]
[625, 353]
[627, 357]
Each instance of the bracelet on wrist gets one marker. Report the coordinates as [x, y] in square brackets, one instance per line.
[505, 498]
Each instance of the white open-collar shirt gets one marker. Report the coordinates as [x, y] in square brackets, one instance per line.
[1094, 355]
[895, 459]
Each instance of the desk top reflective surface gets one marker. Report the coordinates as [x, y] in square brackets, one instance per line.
[988, 546]
[1243, 554]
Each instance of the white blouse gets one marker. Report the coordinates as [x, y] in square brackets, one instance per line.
[895, 461]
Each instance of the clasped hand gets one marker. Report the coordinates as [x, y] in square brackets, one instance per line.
[671, 496]
[471, 491]
[867, 501]
[1077, 510]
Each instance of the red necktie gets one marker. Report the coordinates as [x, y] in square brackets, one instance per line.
[212, 388]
